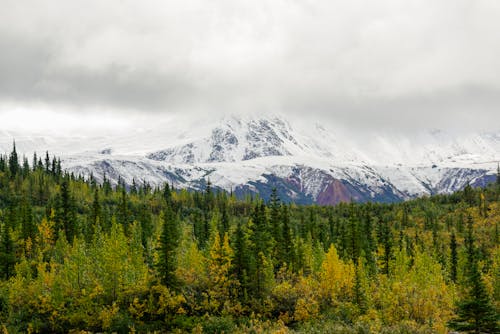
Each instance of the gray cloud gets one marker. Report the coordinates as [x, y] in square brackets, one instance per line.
[369, 63]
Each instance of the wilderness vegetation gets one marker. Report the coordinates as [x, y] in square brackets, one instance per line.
[76, 255]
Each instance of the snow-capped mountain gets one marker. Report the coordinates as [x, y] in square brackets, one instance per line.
[307, 163]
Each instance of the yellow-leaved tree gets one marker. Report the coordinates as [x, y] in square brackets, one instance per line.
[222, 285]
[336, 277]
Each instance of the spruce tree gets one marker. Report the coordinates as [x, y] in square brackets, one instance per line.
[274, 205]
[287, 249]
[241, 261]
[387, 241]
[47, 162]
[453, 258]
[13, 161]
[96, 207]
[124, 214]
[475, 312]
[66, 211]
[28, 228]
[224, 221]
[7, 257]
[169, 241]
[369, 244]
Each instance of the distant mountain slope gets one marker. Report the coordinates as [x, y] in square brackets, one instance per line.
[307, 163]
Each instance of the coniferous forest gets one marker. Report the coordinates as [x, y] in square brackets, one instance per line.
[81, 255]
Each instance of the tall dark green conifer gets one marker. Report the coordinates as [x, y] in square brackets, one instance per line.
[387, 241]
[169, 241]
[7, 255]
[28, 227]
[475, 312]
[241, 261]
[368, 243]
[13, 161]
[66, 214]
[453, 258]
[286, 246]
[124, 216]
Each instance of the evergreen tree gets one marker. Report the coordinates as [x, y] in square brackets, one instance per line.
[353, 240]
[274, 205]
[28, 225]
[169, 241]
[387, 241]
[167, 194]
[124, 216]
[146, 223]
[368, 245]
[96, 207]
[34, 162]
[286, 246]
[241, 261]
[133, 187]
[13, 161]
[475, 313]
[66, 211]
[224, 221]
[359, 292]
[47, 162]
[7, 255]
[453, 258]
[274, 219]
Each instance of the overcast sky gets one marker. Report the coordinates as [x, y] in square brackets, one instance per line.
[410, 64]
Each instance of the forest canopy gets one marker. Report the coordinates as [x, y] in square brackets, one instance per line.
[77, 254]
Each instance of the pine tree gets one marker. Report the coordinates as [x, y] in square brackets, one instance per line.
[274, 205]
[34, 162]
[224, 221]
[146, 223]
[359, 289]
[286, 246]
[28, 225]
[7, 257]
[241, 261]
[169, 241]
[368, 245]
[475, 312]
[353, 240]
[124, 216]
[167, 194]
[96, 207]
[47, 162]
[274, 219]
[66, 211]
[13, 161]
[453, 258]
[387, 241]
[133, 187]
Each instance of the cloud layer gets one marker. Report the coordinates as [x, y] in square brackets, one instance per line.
[369, 63]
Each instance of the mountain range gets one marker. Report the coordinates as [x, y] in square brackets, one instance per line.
[305, 162]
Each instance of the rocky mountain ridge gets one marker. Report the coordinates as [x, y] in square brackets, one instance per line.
[307, 163]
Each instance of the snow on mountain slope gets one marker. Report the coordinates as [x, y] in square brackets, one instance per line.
[307, 162]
